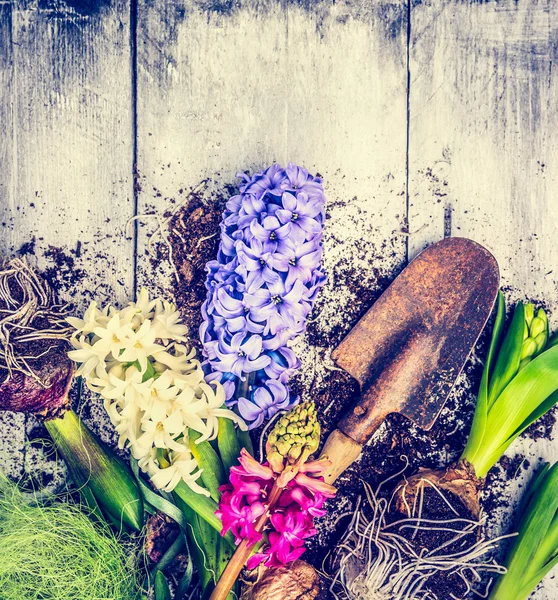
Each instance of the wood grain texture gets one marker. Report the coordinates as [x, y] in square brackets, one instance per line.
[66, 147]
[482, 155]
[225, 86]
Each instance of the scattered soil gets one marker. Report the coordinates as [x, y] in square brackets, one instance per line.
[63, 274]
[194, 237]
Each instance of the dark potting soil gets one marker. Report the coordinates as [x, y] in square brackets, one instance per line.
[398, 445]
[193, 233]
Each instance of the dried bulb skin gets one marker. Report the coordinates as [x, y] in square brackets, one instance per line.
[460, 479]
[296, 581]
[48, 398]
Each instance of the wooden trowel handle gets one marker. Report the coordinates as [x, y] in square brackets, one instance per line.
[342, 451]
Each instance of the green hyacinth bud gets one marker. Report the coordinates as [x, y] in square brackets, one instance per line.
[535, 336]
[294, 438]
[529, 312]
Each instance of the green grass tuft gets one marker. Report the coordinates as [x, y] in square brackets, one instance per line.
[55, 552]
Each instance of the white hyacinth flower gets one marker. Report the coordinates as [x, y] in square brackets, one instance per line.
[153, 387]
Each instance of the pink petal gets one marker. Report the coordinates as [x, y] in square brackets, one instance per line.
[315, 485]
[253, 467]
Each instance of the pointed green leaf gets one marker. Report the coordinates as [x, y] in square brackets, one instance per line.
[481, 411]
[202, 546]
[533, 490]
[527, 589]
[91, 463]
[509, 356]
[162, 591]
[213, 474]
[525, 561]
[229, 448]
[511, 412]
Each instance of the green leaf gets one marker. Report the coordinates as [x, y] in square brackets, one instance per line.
[521, 402]
[162, 591]
[171, 553]
[203, 506]
[89, 500]
[532, 490]
[202, 546]
[527, 589]
[213, 474]
[507, 363]
[91, 463]
[532, 551]
[245, 441]
[229, 448]
[481, 411]
[158, 500]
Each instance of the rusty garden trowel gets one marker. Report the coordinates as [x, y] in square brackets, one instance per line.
[408, 349]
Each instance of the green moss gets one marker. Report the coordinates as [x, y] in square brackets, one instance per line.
[55, 552]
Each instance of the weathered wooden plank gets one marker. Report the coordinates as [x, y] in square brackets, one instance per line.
[12, 426]
[66, 146]
[223, 88]
[482, 159]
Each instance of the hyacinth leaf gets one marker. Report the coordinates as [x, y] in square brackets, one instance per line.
[89, 499]
[522, 401]
[526, 590]
[202, 505]
[532, 491]
[534, 416]
[209, 551]
[245, 441]
[227, 442]
[162, 590]
[481, 412]
[212, 472]
[549, 546]
[224, 555]
[91, 464]
[509, 356]
[158, 501]
[533, 552]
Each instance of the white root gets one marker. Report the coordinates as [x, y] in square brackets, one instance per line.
[24, 300]
[373, 562]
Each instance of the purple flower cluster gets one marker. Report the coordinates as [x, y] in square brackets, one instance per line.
[262, 287]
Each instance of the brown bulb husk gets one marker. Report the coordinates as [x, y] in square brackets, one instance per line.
[47, 398]
[459, 479]
[296, 581]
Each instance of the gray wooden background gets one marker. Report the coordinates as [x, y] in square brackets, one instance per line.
[427, 119]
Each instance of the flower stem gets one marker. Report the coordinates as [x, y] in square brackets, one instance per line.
[243, 552]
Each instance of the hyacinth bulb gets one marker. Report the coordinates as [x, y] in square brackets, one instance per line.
[262, 287]
[36, 374]
[44, 395]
